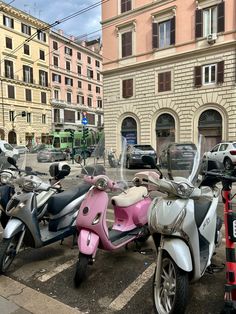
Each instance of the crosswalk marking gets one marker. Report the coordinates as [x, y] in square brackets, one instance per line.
[120, 302]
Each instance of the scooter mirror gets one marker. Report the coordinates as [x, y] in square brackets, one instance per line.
[12, 161]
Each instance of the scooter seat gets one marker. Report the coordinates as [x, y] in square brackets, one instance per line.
[58, 201]
[130, 197]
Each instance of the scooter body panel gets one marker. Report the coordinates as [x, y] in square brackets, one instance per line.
[88, 242]
[13, 226]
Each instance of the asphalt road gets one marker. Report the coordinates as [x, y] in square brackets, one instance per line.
[118, 282]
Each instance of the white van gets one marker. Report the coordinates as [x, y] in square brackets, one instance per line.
[9, 150]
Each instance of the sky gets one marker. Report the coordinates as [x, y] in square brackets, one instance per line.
[53, 10]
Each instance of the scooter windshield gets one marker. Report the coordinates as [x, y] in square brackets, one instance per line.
[181, 159]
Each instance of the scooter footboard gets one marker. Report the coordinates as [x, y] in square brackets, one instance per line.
[88, 242]
[179, 252]
[13, 227]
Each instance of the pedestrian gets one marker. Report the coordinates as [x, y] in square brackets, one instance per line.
[67, 151]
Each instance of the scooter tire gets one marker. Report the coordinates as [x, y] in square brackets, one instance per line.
[179, 285]
[8, 252]
[81, 269]
[4, 219]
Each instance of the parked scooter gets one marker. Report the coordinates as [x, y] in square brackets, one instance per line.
[24, 226]
[130, 211]
[186, 230]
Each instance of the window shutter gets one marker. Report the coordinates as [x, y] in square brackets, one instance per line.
[127, 44]
[172, 31]
[71, 82]
[220, 72]
[12, 23]
[160, 82]
[24, 70]
[167, 81]
[198, 76]
[155, 40]
[31, 75]
[198, 23]
[59, 78]
[124, 89]
[129, 88]
[221, 17]
[46, 78]
[44, 37]
[11, 91]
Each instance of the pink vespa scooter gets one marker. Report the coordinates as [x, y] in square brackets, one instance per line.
[130, 211]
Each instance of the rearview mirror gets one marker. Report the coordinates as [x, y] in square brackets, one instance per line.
[12, 161]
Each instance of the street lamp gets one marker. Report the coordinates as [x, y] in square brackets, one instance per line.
[23, 114]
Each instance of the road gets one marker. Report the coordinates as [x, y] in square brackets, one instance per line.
[118, 282]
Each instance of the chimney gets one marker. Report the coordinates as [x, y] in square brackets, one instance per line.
[60, 31]
[72, 38]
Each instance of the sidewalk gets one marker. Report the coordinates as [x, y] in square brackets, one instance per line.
[16, 298]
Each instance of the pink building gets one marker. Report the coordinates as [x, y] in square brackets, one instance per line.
[169, 70]
[76, 82]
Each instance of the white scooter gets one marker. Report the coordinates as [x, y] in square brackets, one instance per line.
[186, 230]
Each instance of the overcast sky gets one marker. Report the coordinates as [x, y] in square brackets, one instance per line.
[53, 10]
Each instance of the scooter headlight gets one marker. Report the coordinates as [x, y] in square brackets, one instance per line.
[6, 177]
[102, 184]
[183, 189]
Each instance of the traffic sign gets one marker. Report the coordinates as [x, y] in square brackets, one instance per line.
[84, 121]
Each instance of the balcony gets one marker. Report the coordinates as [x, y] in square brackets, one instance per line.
[58, 121]
[58, 103]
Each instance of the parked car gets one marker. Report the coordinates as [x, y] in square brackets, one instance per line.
[9, 150]
[136, 152]
[182, 155]
[38, 147]
[224, 153]
[21, 149]
[50, 154]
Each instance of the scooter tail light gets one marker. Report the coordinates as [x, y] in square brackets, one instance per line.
[232, 152]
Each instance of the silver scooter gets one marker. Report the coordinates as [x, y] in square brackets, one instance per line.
[24, 227]
[186, 230]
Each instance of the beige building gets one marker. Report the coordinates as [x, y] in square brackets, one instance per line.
[24, 79]
[169, 70]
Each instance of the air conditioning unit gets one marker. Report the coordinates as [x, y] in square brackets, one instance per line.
[211, 38]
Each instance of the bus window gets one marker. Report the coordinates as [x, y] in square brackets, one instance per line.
[64, 140]
[56, 142]
[69, 140]
[77, 142]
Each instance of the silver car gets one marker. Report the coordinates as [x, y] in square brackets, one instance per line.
[50, 154]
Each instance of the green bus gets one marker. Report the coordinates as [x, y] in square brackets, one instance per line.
[63, 139]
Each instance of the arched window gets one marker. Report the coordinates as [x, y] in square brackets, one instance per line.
[129, 130]
[12, 137]
[165, 130]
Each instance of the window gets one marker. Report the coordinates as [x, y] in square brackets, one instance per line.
[7, 21]
[28, 95]
[90, 73]
[97, 63]
[210, 20]
[80, 99]
[41, 35]
[43, 118]
[79, 69]
[164, 81]
[69, 116]
[8, 43]
[79, 55]
[125, 5]
[27, 74]
[41, 55]
[89, 60]
[8, 69]
[55, 45]
[163, 33]
[99, 103]
[68, 65]
[56, 78]
[43, 98]
[68, 97]
[79, 84]
[26, 49]
[28, 117]
[43, 78]
[11, 91]
[98, 77]
[78, 115]
[89, 102]
[26, 29]
[68, 81]
[68, 51]
[127, 88]
[98, 90]
[89, 87]
[91, 118]
[126, 44]
[11, 115]
[55, 61]
[56, 94]
[209, 74]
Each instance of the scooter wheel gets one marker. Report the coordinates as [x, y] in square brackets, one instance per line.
[8, 252]
[81, 268]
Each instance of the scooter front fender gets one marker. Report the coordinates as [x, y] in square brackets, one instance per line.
[88, 242]
[13, 226]
[179, 252]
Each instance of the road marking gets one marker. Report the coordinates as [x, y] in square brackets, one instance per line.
[120, 302]
[56, 271]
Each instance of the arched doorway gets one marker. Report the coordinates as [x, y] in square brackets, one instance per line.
[165, 131]
[12, 137]
[2, 134]
[210, 125]
[129, 130]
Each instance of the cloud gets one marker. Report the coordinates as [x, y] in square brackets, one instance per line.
[53, 10]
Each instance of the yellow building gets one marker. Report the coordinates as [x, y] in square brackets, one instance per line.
[25, 110]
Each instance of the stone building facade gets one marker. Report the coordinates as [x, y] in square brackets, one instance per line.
[169, 71]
